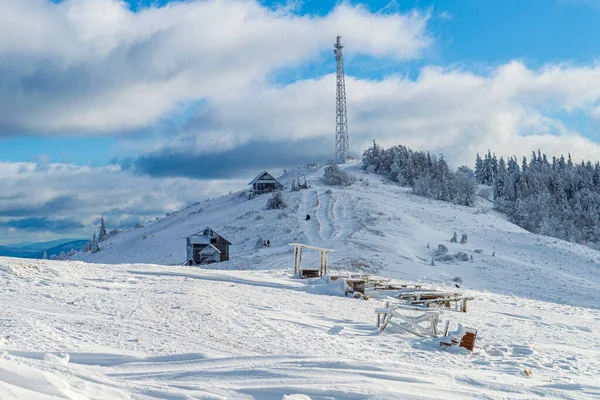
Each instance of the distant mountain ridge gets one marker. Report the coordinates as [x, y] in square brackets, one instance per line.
[36, 250]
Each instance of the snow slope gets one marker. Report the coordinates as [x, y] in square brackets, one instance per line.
[124, 327]
[378, 227]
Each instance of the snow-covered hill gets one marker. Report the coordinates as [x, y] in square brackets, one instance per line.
[378, 227]
[125, 327]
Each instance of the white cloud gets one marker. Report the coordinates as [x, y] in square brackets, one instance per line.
[510, 110]
[94, 65]
[78, 196]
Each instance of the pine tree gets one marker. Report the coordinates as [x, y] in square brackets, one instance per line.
[500, 181]
[479, 168]
[103, 234]
[95, 248]
[45, 256]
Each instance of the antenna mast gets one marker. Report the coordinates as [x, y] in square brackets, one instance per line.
[342, 147]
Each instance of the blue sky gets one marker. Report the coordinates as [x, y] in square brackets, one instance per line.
[475, 34]
[143, 105]
[472, 33]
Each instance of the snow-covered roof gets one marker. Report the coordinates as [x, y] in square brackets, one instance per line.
[199, 239]
[263, 176]
[203, 236]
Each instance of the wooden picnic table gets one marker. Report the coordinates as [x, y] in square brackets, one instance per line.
[437, 297]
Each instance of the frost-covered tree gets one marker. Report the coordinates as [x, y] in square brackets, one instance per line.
[334, 176]
[558, 198]
[62, 256]
[428, 175]
[44, 256]
[103, 235]
[276, 201]
[94, 248]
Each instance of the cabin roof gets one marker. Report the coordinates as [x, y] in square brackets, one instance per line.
[203, 236]
[262, 176]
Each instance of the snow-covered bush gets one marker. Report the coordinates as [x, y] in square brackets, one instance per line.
[463, 239]
[442, 249]
[334, 176]
[276, 202]
[454, 238]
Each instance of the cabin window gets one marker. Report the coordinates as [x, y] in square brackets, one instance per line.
[213, 240]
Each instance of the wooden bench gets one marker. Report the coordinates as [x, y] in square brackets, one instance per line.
[467, 339]
[310, 273]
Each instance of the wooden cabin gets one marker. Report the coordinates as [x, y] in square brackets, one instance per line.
[206, 247]
[264, 183]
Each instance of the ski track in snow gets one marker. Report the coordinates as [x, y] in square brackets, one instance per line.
[145, 331]
[313, 225]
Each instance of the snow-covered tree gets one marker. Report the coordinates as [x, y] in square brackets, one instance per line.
[103, 235]
[429, 176]
[276, 201]
[44, 256]
[334, 176]
[558, 198]
[94, 247]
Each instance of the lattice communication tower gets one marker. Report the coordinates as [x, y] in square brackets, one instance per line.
[342, 147]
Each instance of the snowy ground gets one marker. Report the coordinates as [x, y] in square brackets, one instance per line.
[247, 330]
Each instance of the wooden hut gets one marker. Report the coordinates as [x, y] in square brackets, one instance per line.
[206, 247]
[264, 182]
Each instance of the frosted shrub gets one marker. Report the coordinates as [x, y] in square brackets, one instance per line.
[334, 176]
[276, 202]
[442, 249]
[463, 239]
[454, 238]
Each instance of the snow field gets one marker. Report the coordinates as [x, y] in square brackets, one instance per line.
[246, 329]
[158, 332]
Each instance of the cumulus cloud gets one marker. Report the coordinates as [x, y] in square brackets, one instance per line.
[40, 202]
[510, 109]
[95, 66]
